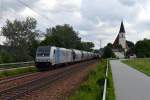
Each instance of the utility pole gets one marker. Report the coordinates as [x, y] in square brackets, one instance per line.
[1, 9]
[100, 43]
[1, 16]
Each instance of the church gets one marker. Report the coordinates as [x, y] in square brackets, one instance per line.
[120, 46]
[121, 39]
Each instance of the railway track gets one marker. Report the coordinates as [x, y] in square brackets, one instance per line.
[6, 80]
[24, 79]
[15, 92]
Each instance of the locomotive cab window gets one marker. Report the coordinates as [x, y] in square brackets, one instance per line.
[43, 51]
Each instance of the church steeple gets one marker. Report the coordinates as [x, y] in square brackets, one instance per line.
[122, 30]
[121, 39]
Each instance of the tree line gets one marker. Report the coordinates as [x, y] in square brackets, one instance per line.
[141, 49]
[23, 38]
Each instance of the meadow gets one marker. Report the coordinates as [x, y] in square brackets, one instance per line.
[143, 65]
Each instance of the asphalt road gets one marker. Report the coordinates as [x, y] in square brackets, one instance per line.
[129, 83]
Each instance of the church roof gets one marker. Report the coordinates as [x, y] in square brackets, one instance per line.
[116, 42]
[122, 30]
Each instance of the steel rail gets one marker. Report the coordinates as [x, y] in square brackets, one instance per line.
[11, 94]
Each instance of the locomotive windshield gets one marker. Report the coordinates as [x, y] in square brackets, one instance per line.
[43, 51]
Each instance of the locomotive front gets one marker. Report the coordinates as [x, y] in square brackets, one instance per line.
[42, 60]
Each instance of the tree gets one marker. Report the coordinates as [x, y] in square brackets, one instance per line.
[33, 47]
[65, 36]
[142, 48]
[62, 36]
[87, 46]
[110, 45]
[20, 36]
[108, 53]
[118, 46]
[131, 50]
[130, 44]
[5, 57]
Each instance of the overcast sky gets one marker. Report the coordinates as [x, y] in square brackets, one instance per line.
[94, 19]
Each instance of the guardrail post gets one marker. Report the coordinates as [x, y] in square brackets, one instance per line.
[105, 84]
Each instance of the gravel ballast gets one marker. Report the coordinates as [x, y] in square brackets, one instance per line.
[61, 89]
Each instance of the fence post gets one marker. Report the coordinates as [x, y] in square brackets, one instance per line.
[105, 84]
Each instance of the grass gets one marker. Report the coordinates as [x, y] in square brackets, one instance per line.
[17, 71]
[110, 86]
[92, 89]
[142, 65]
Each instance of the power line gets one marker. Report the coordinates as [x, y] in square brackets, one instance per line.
[41, 15]
[28, 6]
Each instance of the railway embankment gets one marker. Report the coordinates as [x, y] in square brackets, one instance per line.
[63, 87]
[50, 85]
[93, 87]
[5, 73]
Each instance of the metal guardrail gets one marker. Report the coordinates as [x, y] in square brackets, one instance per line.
[16, 65]
[105, 84]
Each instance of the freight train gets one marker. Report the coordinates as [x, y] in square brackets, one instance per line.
[50, 56]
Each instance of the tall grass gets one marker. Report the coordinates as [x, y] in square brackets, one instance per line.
[92, 89]
[110, 94]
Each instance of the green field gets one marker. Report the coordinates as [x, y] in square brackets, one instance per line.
[142, 65]
[92, 89]
[17, 71]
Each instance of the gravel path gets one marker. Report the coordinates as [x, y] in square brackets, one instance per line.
[61, 89]
[130, 84]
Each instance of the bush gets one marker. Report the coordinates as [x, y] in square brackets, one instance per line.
[108, 53]
[9, 57]
[1, 59]
[6, 57]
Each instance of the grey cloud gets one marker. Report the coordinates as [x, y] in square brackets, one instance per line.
[142, 26]
[17, 5]
[60, 7]
[91, 13]
[128, 2]
[107, 11]
[6, 5]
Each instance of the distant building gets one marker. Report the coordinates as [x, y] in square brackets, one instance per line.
[121, 39]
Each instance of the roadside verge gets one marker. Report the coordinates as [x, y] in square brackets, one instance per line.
[92, 88]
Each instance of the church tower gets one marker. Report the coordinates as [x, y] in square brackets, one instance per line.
[121, 39]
